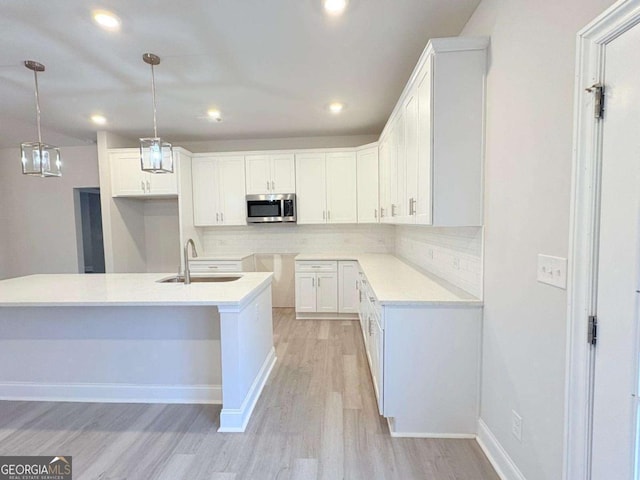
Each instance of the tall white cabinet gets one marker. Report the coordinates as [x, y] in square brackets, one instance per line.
[431, 150]
[218, 191]
[326, 187]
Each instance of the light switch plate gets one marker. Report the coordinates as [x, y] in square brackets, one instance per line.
[552, 270]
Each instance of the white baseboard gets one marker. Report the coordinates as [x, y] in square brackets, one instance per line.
[395, 434]
[236, 419]
[500, 460]
[111, 393]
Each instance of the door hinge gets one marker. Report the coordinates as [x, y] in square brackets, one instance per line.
[592, 335]
[598, 104]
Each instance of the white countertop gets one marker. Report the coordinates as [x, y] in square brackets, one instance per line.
[396, 283]
[126, 289]
[224, 257]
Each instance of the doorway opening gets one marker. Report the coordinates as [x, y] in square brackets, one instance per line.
[89, 230]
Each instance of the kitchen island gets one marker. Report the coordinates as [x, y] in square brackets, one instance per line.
[129, 338]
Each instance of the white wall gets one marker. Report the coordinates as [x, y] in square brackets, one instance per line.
[454, 254]
[528, 182]
[38, 229]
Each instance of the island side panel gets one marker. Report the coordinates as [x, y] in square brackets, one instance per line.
[248, 356]
[111, 354]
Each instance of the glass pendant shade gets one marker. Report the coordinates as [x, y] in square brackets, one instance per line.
[40, 159]
[37, 158]
[156, 156]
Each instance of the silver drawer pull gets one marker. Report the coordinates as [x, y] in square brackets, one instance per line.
[372, 299]
[212, 266]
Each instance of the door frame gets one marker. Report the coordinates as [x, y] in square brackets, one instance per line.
[584, 230]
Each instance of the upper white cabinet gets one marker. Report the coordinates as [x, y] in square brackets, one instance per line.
[218, 191]
[267, 174]
[431, 149]
[128, 179]
[326, 187]
[367, 185]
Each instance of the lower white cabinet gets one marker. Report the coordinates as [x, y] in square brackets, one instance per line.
[424, 363]
[326, 289]
[316, 287]
[219, 266]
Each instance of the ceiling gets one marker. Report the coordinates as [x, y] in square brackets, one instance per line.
[271, 67]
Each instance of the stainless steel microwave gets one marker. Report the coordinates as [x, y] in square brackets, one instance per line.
[272, 208]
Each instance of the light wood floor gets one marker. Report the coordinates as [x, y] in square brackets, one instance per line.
[316, 418]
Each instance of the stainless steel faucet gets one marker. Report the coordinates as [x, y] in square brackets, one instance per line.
[187, 272]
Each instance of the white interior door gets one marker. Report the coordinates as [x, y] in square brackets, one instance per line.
[616, 352]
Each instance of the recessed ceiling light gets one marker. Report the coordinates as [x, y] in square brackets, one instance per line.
[99, 119]
[335, 7]
[215, 115]
[336, 107]
[107, 20]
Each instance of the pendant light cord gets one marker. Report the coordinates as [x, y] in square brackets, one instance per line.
[153, 91]
[35, 76]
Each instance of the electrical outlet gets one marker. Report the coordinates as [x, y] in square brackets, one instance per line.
[552, 271]
[516, 425]
[456, 263]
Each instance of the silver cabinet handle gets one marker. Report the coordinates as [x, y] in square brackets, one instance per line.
[372, 299]
[313, 281]
[318, 281]
[212, 266]
[148, 187]
[393, 210]
[222, 217]
[273, 185]
[267, 185]
[217, 217]
[381, 212]
[375, 213]
[142, 185]
[412, 206]
[328, 214]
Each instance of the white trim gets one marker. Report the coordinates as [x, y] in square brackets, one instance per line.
[395, 434]
[587, 136]
[236, 419]
[502, 463]
[111, 393]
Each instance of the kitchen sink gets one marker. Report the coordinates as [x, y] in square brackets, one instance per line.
[180, 279]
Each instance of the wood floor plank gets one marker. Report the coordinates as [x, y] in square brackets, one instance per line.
[316, 418]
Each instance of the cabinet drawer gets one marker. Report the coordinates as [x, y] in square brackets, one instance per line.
[313, 266]
[215, 266]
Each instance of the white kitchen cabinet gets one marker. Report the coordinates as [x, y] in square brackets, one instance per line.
[218, 191]
[326, 187]
[348, 287]
[128, 179]
[384, 179]
[270, 173]
[367, 185]
[311, 199]
[210, 265]
[316, 287]
[435, 137]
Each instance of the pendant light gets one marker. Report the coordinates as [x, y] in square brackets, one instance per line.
[156, 156]
[39, 159]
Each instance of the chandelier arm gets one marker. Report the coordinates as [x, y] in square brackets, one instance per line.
[153, 91]
[35, 76]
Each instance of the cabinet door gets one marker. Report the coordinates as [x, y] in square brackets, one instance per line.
[377, 361]
[162, 184]
[348, 301]
[384, 181]
[367, 185]
[258, 174]
[127, 178]
[231, 185]
[342, 206]
[425, 191]
[310, 181]
[204, 179]
[411, 158]
[283, 173]
[393, 172]
[327, 292]
[401, 170]
[305, 292]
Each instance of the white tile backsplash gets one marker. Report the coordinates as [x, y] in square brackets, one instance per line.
[452, 253]
[283, 238]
